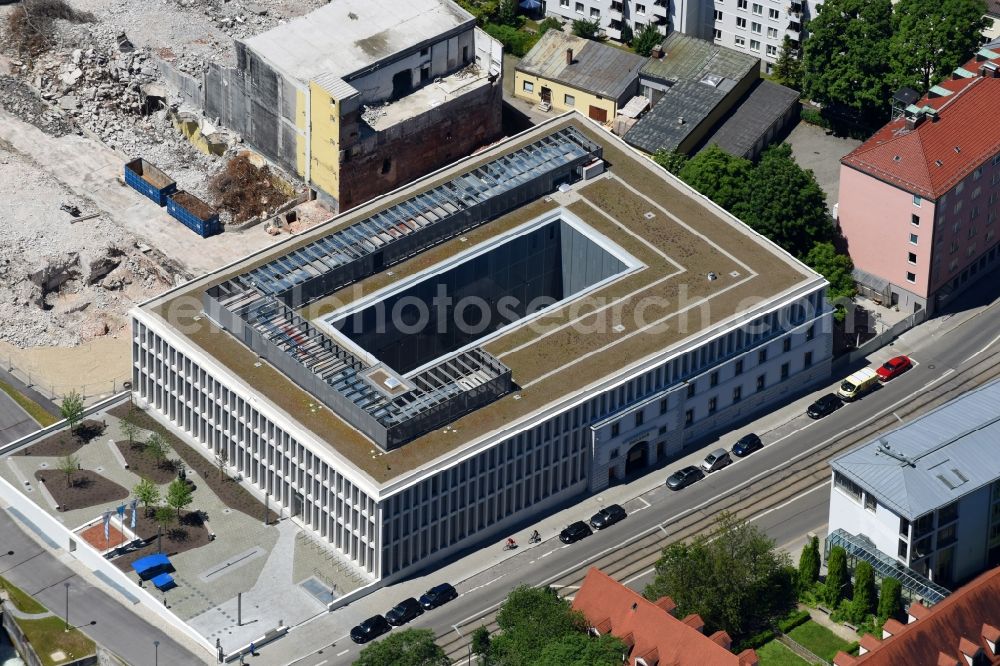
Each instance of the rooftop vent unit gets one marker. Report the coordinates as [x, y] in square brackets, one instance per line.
[914, 121]
[989, 70]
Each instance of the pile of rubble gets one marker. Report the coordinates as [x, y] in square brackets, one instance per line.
[64, 279]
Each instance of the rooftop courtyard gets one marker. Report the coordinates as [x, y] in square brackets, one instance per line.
[601, 276]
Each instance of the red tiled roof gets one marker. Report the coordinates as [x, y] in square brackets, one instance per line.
[653, 632]
[933, 157]
[918, 610]
[952, 627]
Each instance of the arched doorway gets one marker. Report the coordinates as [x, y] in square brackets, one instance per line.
[637, 458]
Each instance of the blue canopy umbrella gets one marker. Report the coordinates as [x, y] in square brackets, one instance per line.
[531, 5]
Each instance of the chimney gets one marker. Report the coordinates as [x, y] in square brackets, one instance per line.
[569, 56]
[989, 70]
[657, 52]
[914, 121]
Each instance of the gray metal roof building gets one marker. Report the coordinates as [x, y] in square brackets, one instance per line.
[596, 68]
[689, 58]
[934, 460]
[756, 120]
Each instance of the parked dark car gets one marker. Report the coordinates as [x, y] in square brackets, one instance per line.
[826, 405]
[404, 611]
[370, 629]
[438, 596]
[575, 532]
[607, 517]
[747, 444]
[683, 478]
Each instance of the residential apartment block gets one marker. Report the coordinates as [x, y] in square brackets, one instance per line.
[613, 15]
[597, 316]
[758, 27]
[962, 630]
[361, 96]
[919, 200]
[928, 493]
[653, 634]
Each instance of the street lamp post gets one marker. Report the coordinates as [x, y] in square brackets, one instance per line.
[156, 653]
[67, 605]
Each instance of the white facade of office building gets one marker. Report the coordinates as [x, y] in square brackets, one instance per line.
[576, 447]
[928, 493]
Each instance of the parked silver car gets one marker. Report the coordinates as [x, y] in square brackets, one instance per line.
[716, 460]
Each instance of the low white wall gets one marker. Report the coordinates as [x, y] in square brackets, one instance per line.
[93, 560]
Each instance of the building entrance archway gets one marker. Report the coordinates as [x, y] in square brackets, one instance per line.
[637, 458]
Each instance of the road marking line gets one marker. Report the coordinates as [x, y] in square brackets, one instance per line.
[988, 345]
[639, 575]
[339, 654]
[663, 529]
[455, 627]
[825, 484]
[897, 416]
[641, 499]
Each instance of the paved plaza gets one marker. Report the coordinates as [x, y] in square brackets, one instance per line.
[285, 574]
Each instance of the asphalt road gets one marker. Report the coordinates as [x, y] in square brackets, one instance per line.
[937, 358]
[14, 421]
[39, 573]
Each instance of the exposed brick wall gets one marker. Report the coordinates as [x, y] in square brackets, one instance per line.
[421, 145]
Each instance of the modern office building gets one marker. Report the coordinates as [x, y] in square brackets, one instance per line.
[928, 492]
[361, 96]
[962, 630]
[758, 27]
[523, 328]
[919, 199]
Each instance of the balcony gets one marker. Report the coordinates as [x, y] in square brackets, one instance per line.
[794, 30]
[660, 8]
[616, 13]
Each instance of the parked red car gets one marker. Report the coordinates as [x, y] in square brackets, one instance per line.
[893, 367]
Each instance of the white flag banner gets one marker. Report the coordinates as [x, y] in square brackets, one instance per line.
[135, 503]
[107, 525]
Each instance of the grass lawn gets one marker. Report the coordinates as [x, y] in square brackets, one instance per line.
[820, 640]
[48, 635]
[35, 410]
[773, 653]
[21, 601]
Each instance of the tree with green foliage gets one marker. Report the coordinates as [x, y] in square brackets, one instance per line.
[147, 493]
[890, 602]
[550, 23]
[71, 409]
[845, 60]
[930, 38]
[809, 564]
[579, 649]
[785, 202]
[481, 642]
[719, 176]
[646, 40]
[530, 619]
[670, 160]
[409, 647]
[507, 13]
[179, 495]
[838, 581]
[735, 579]
[627, 34]
[128, 427]
[788, 68]
[515, 41]
[587, 29]
[69, 465]
[156, 447]
[164, 516]
[835, 267]
[865, 599]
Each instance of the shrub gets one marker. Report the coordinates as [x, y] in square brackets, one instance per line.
[756, 640]
[814, 117]
[30, 25]
[793, 620]
[550, 23]
[587, 29]
[853, 648]
[516, 42]
[838, 581]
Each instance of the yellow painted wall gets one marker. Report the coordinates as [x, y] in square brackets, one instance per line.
[324, 137]
[582, 102]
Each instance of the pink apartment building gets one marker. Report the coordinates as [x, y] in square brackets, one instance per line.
[918, 200]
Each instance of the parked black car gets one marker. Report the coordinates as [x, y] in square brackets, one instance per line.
[828, 404]
[683, 478]
[747, 444]
[404, 611]
[438, 596]
[370, 629]
[575, 532]
[607, 517]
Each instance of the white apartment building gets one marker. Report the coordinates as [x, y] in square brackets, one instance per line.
[928, 493]
[398, 443]
[758, 27]
[612, 15]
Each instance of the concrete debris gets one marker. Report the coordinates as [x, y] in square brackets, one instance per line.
[371, 114]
